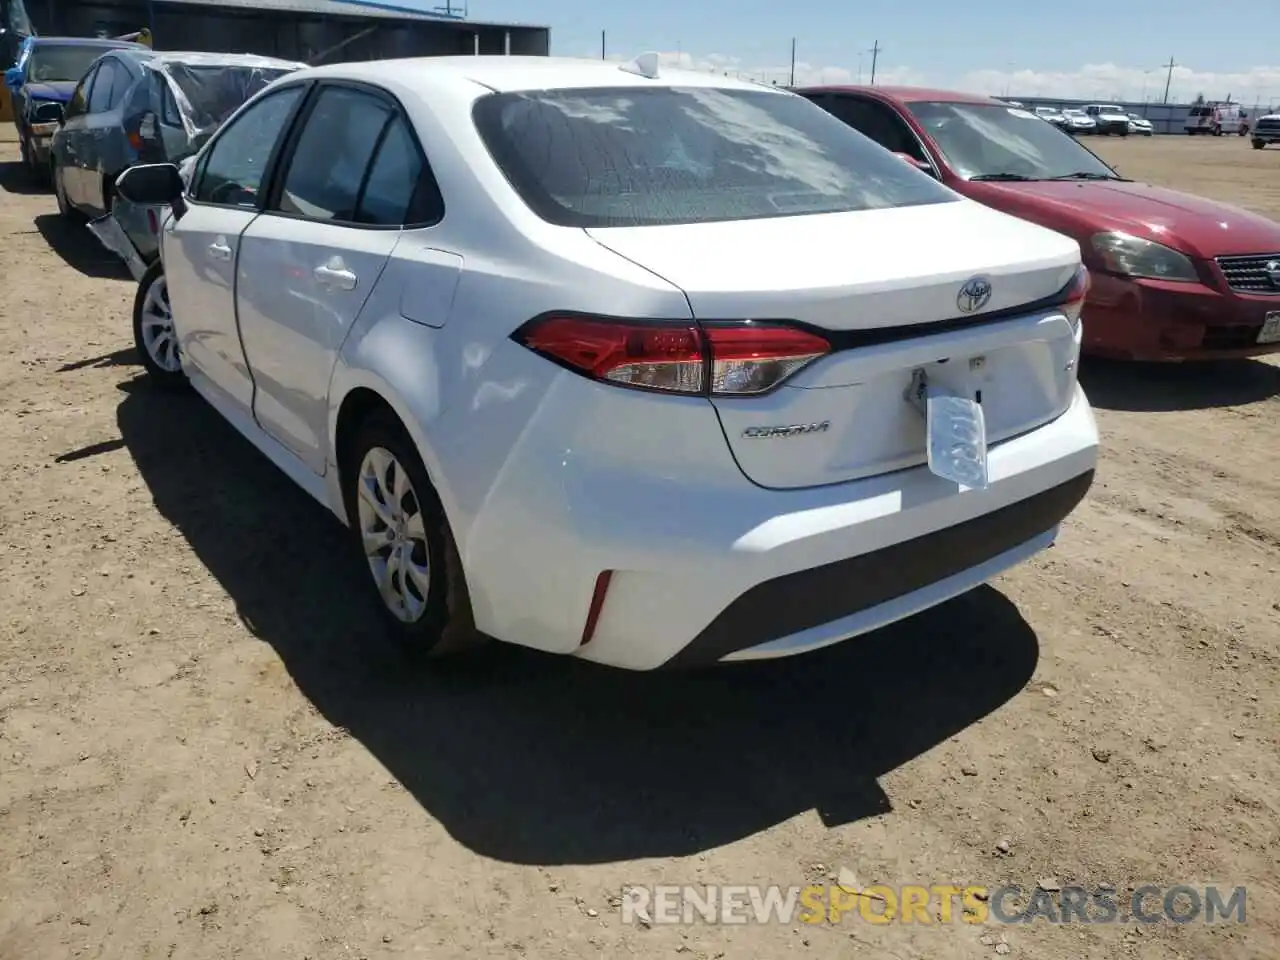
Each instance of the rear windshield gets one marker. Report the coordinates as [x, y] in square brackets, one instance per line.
[217, 91]
[639, 157]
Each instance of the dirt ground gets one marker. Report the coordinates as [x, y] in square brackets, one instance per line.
[205, 753]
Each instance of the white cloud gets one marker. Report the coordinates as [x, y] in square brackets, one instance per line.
[1106, 81]
[807, 74]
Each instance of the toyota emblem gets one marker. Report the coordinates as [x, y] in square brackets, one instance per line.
[974, 295]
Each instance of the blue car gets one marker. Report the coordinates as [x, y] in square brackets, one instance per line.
[42, 80]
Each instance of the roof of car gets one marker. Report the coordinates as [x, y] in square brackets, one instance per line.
[504, 73]
[904, 94]
[88, 42]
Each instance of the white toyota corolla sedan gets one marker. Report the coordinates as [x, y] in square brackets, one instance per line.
[651, 368]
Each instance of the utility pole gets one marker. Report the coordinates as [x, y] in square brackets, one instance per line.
[1168, 79]
[875, 55]
[602, 56]
[793, 62]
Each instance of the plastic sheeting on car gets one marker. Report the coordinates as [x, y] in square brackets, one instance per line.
[203, 89]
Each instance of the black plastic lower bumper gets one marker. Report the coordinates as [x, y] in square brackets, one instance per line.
[809, 598]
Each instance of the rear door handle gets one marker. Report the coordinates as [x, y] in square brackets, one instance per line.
[336, 275]
[219, 250]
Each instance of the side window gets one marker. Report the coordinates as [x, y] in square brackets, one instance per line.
[235, 164]
[79, 101]
[875, 120]
[121, 88]
[104, 88]
[388, 197]
[332, 155]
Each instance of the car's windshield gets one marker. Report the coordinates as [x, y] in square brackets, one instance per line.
[53, 63]
[1074, 113]
[992, 140]
[635, 157]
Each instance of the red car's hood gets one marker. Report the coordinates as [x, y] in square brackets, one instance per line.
[1194, 225]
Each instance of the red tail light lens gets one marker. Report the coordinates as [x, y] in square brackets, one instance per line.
[722, 358]
[1073, 301]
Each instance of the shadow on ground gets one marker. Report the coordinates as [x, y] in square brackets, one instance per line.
[16, 178]
[536, 759]
[1164, 387]
[79, 248]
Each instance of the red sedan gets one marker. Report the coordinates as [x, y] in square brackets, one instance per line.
[1175, 277]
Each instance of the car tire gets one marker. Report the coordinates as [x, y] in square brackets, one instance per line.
[153, 335]
[382, 456]
[65, 208]
[1258, 144]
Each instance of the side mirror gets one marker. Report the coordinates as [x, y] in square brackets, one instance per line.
[155, 184]
[918, 164]
[47, 111]
[13, 78]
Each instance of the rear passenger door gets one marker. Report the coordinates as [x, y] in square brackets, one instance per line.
[105, 99]
[353, 176]
[71, 139]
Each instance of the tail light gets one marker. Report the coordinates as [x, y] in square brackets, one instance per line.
[1074, 296]
[719, 358]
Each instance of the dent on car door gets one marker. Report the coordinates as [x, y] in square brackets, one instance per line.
[202, 249]
[310, 262]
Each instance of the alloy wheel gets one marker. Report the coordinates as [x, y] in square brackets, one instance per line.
[394, 535]
[158, 335]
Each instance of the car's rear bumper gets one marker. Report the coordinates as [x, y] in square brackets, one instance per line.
[1165, 321]
[723, 569]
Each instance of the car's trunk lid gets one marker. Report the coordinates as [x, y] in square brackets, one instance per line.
[878, 272]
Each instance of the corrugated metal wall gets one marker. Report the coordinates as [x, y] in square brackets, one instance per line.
[278, 34]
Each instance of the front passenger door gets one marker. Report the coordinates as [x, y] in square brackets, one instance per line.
[201, 249]
[309, 263]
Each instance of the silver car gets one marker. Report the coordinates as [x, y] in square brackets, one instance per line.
[141, 106]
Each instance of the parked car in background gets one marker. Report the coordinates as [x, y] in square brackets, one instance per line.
[1053, 116]
[42, 81]
[140, 106]
[1078, 122]
[1175, 277]
[1266, 131]
[423, 289]
[1140, 125]
[1108, 119]
[1217, 119]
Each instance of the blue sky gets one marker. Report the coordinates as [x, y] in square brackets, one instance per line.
[988, 43]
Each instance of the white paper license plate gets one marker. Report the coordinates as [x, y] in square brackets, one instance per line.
[1270, 331]
[957, 437]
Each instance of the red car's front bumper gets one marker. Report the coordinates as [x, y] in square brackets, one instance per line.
[1129, 319]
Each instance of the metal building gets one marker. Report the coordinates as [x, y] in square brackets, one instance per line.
[315, 31]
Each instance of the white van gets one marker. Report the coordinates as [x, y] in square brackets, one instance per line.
[1217, 119]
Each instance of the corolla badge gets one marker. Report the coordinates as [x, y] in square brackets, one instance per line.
[974, 295]
[1273, 272]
